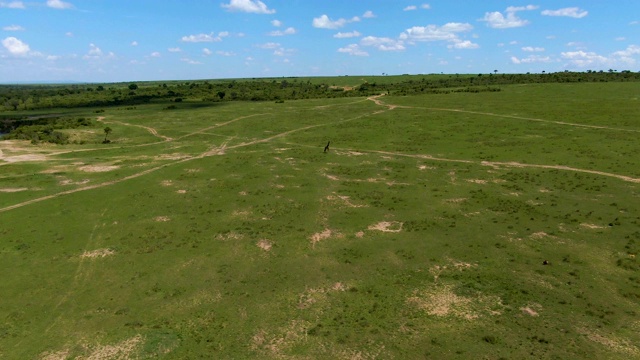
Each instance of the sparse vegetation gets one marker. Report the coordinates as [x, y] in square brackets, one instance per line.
[496, 224]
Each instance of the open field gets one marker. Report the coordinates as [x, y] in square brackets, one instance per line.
[464, 225]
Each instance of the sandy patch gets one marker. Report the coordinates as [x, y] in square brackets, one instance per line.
[121, 350]
[610, 342]
[181, 191]
[98, 168]
[593, 226]
[425, 167]
[477, 181]
[345, 200]
[360, 234]
[442, 301]
[166, 182]
[98, 253]
[274, 344]
[230, 236]
[55, 355]
[243, 193]
[318, 295]
[162, 218]
[387, 226]
[26, 157]
[531, 310]
[538, 235]
[12, 190]
[317, 237]
[265, 244]
[455, 200]
[174, 156]
[71, 182]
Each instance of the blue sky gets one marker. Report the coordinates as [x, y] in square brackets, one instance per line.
[137, 40]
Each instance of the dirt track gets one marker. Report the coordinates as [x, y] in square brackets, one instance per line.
[220, 150]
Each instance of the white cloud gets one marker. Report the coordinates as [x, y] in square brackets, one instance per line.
[155, 54]
[134, 43]
[620, 38]
[410, 8]
[346, 35]
[225, 53]
[174, 50]
[573, 12]
[200, 38]
[584, 59]
[12, 5]
[16, 46]
[323, 22]
[368, 14]
[383, 43]
[447, 32]
[354, 50]
[463, 44]
[269, 45]
[288, 31]
[13, 28]
[497, 20]
[425, 6]
[52, 57]
[96, 53]
[59, 4]
[191, 62]
[207, 52]
[532, 49]
[250, 6]
[531, 59]
[276, 23]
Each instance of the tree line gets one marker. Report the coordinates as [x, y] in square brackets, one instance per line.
[33, 97]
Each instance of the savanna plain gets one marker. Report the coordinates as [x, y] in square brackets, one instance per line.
[496, 225]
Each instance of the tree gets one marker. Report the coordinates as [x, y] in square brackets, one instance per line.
[133, 86]
[107, 131]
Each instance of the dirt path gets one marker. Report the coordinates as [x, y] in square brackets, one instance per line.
[377, 101]
[151, 130]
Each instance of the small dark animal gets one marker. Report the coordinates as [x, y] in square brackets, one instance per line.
[326, 148]
[545, 262]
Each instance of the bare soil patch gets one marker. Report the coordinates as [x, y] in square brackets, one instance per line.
[12, 190]
[317, 237]
[98, 253]
[162, 218]
[387, 226]
[265, 244]
[98, 168]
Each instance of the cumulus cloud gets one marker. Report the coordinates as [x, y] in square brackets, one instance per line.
[288, 31]
[12, 5]
[573, 12]
[383, 43]
[96, 53]
[531, 59]
[353, 49]
[16, 46]
[414, 7]
[269, 45]
[59, 4]
[368, 14]
[497, 20]
[346, 35]
[276, 23]
[191, 62]
[323, 22]
[447, 32]
[207, 52]
[155, 54]
[13, 28]
[225, 53]
[249, 6]
[463, 44]
[200, 38]
[532, 49]
[174, 50]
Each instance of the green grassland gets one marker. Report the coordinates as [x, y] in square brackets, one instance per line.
[463, 225]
